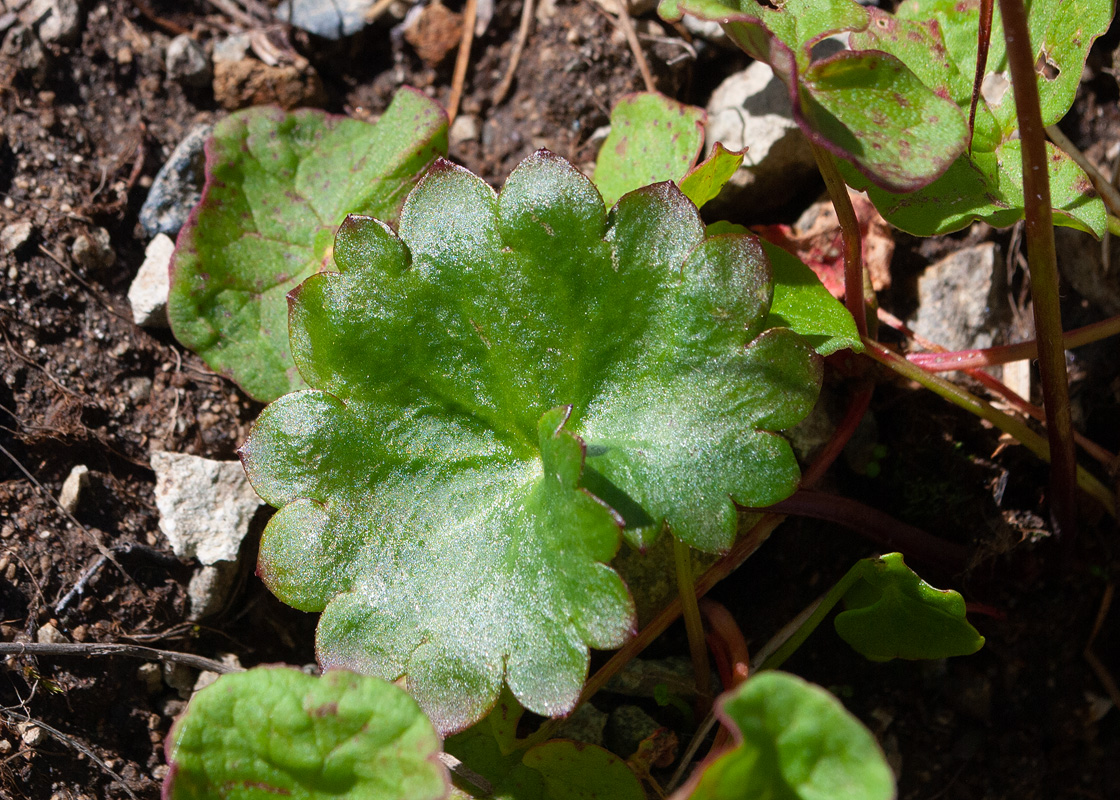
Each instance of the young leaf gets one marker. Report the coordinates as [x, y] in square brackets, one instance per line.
[430, 485]
[892, 613]
[653, 138]
[704, 181]
[554, 770]
[866, 106]
[801, 302]
[793, 741]
[277, 186]
[275, 731]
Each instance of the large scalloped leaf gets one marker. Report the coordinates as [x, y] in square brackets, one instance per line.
[892, 613]
[553, 770]
[793, 741]
[864, 106]
[278, 185]
[275, 731]
[430, 483]
[653, 138]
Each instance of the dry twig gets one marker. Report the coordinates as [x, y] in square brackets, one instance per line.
[463, 59]
[500, 93]
[635, 46]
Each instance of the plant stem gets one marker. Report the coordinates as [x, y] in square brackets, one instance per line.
[805, 625]
[1003, 354]
[973, 404]
[1043, 262]
[849, 230]
[693, 624]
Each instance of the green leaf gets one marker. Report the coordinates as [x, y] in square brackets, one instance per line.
[277, 186]
[275, 731]
[938, 40]
[653, 138]
[801, 302]
[892, 613]
[430, 484]
[704, 181]
[793, 741]
[865, 106]
[554, 770]
[989, 187]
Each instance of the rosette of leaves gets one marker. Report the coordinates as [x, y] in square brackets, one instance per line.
[500, 388]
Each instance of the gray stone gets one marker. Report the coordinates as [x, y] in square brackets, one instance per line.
[71, 493]
[54, 21]
[626, 728]
[1081, 262]
[49, 634]
[187, 63]
[205, 506]
[331, 19]
[15, 236]
[962, 303]
[465, 128]
[751, 109]
[586, 724]
[209, 588]
[148, 293]
[206, 677]
[232, 48]
[93, 250]
[178, 185]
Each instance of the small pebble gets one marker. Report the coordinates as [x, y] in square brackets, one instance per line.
[72, 487]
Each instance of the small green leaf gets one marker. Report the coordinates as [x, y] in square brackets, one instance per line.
[277, 187]
[275, 731]
[892, 613]
[704, 181]
[429, 485]
[554, 770]
[653, 138]
[793, 741]
[801, 302]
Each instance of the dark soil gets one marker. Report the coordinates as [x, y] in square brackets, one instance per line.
[81, 384]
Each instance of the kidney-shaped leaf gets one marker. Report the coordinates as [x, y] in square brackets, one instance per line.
[275, 731]
[892, 613]
[653, 138]
[794, 741]
[277, 186]
[431, 484]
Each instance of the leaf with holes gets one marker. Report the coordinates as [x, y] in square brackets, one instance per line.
[653, 138]
[793, 741]
[277, 186]
[483, 381]
[937, 39]
[865, 106]
[275, 731]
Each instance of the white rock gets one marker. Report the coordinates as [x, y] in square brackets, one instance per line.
[962, 302]
[206, 677]
[15, 236]
[187, 62]
[49, 634]
[205, 506]
[54, 21]
[71, 492]
[751, 109]
[93, 250]
[148, 293]
[30, 733]
[465, 128]
[209, 588]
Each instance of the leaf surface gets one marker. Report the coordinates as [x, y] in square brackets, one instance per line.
[275, 731]
[704, 181]
[277, 186]
[892, 613]
[653, 138]
[433, 489]
[793, 741]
